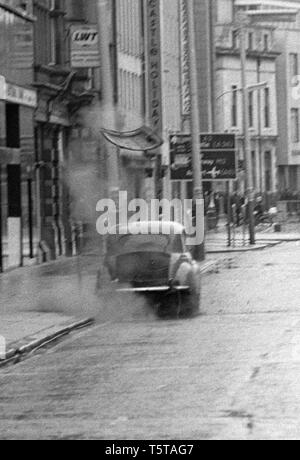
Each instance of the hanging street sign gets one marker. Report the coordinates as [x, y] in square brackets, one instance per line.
[218, 152]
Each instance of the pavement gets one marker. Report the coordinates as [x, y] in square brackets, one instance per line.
[231, 373]
[42, 303]
[217, 240]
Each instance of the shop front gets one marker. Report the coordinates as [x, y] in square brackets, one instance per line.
[17, 105]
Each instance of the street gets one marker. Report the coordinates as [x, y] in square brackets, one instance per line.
[232, 373]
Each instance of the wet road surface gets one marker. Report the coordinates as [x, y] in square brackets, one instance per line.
[232, 373]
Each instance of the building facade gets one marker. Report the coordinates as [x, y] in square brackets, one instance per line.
[262, 54]
[286, 39]
[18, 101]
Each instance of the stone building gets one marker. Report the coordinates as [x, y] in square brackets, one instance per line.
[286, 39]
[262, 54]
[18, 101]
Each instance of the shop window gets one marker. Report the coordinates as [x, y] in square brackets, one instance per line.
[12, 126]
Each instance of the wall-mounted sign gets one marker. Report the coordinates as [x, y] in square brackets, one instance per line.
[84, 46]
[153, 64]
[185, 60]
[218, 153]
[17, 94]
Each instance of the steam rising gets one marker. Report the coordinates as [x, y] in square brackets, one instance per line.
[70, 289]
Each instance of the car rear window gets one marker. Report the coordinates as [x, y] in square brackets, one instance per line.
[130, 243]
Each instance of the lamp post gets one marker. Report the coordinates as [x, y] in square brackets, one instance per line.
[195, 126]
[257, 86]
[247, 141]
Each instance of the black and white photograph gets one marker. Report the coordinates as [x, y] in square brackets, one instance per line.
[150, 222]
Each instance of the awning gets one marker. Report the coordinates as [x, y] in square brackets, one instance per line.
[143, 139]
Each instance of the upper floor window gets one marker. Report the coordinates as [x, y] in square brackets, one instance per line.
[235, 36]
[268, 171]
[49, 32]
[251, 109]
[266, 42]
[294, 64]
[267, 108]
[250, 41]
[295, 126]
[234, 107]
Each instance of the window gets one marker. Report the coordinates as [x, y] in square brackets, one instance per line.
[77, 8]
[267, 108]
[294, 64]
[49, 32]
[266, 42]
[295, 128]
[251, 109]
[235, 36]
[250, 41]
[234, 108]
[268, 171]
[13, 126]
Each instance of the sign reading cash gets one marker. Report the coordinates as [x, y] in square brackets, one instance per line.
[152, 19]
[85, 46]
[218, 152]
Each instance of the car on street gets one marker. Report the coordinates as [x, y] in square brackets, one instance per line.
[152, 259]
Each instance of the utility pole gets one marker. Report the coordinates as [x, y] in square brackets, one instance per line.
[195, 126]
[108, 102]
[247, 141]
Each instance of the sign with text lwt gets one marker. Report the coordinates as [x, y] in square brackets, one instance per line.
[84, 46]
